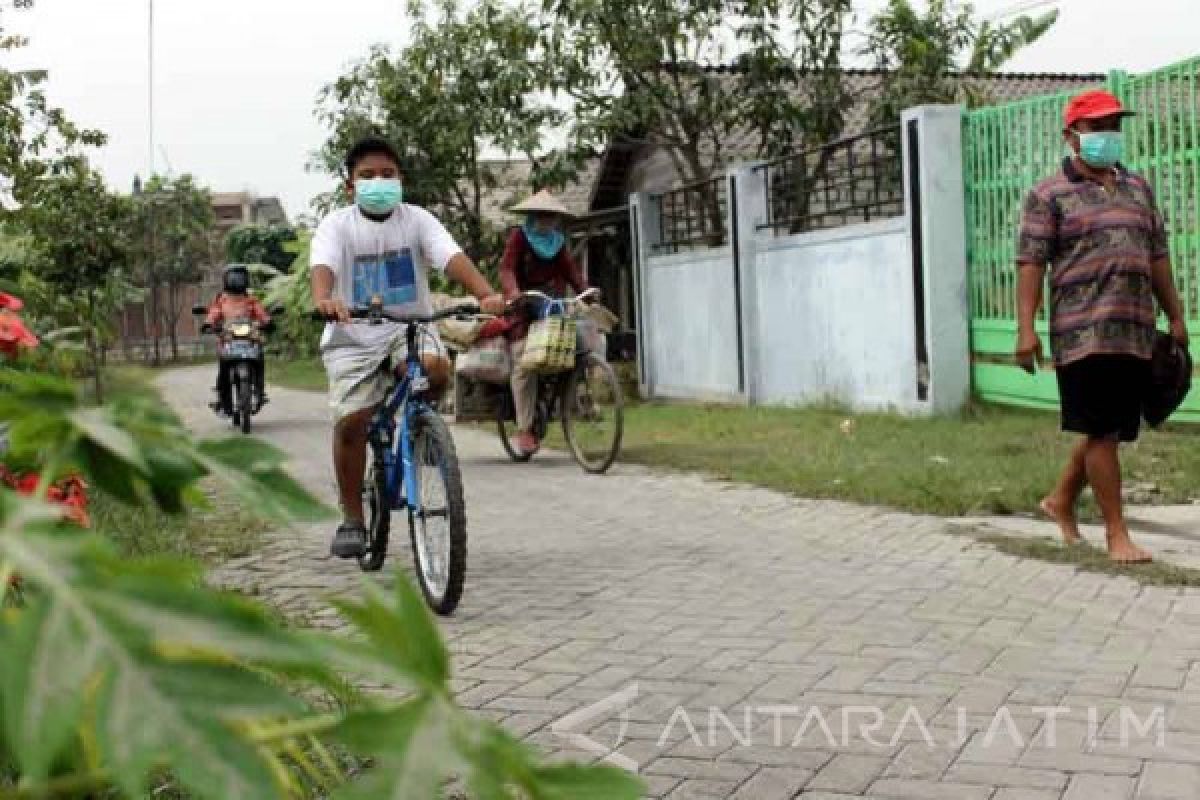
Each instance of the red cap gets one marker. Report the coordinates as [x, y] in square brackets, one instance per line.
[1093, 105]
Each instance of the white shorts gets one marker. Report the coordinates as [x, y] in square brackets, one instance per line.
[358, 380]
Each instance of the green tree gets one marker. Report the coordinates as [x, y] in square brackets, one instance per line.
[172, 232]
[80, 233]
[121, 678]
[932, 57]
[41, 158]
[468, 80]
[36, 138]
[261, 244]
[292, 291]
[650, 75]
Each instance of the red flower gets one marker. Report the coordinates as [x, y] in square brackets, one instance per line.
[70, 493]
[13, 334]
[10, 303]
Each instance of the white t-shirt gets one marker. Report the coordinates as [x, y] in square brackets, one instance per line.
[390, 259]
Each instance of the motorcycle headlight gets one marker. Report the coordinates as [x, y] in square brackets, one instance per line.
[241, 330]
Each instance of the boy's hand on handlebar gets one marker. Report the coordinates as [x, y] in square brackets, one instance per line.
[332, 308]
[493, 304]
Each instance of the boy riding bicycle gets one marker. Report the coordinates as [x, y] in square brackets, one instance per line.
[377, 247]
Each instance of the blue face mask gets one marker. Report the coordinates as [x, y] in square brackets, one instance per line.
[545, 244]
[1101, 149]
[378, 195]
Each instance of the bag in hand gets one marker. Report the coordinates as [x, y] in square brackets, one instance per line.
[487, 360]
[1170, 380]
[550, 345]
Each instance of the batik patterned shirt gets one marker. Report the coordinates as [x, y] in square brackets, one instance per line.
[1099, 246]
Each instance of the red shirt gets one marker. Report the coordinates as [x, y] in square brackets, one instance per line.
[521, 270]
[236, 306]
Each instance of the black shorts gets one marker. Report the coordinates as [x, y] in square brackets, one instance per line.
[1102, 395]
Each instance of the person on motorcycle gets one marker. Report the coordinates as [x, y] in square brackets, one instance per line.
[235, 303]
[536, 258]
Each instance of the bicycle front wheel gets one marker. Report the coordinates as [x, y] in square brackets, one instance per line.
[437, 516]
[379, 516]
[593, 416]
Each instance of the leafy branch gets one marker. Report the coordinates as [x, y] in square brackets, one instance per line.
[115, 673]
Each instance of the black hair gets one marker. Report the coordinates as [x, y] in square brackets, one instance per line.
[368, 146]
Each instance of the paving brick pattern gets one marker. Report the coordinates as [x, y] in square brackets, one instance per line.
[780, 647]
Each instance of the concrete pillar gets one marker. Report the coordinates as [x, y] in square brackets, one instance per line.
[747, 209]
[645, 230]
[936, 204]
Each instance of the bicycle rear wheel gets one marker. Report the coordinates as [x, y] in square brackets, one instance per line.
[593, 416]
[438, 527]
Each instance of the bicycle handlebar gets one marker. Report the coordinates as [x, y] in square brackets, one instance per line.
[583, 297]
[463, 311]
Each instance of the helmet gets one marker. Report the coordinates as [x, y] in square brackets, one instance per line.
[236, 279]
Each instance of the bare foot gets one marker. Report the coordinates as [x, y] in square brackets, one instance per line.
[1122, 550]
[1065, 517]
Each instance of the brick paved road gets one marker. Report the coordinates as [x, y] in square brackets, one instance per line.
[785, 616]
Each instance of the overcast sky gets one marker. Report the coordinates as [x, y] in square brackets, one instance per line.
[236, 80]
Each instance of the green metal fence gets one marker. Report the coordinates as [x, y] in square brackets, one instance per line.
[1008, 148]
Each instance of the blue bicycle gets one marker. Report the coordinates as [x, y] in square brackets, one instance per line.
[412, 466]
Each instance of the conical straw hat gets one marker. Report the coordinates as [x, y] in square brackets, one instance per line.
[542, 202]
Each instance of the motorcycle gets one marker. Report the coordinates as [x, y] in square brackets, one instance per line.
[240, 353]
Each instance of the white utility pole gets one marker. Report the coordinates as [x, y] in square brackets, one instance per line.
[150, 87]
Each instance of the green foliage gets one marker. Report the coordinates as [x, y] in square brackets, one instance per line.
[79, 228]
[136, 450]
[80, 249]
[118, 676]
[173, 221]
[36, 138]
[926, 55]
[995, 45]
[172, 239]
[16, 255]
[467, 79]
[261, 244]
[646, 74]
[180, 679]
[298, 332]
[75, 329]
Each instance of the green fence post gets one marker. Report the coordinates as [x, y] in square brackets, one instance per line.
[1117, 84]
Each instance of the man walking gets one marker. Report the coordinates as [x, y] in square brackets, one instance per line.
[1096, 227]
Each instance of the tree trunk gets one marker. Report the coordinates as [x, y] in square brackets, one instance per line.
[804, 187]
[154, 318]
[171, 317]
[93, 348]
[98, 374]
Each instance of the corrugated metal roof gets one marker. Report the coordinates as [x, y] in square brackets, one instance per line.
[514, 185]
[604, 182]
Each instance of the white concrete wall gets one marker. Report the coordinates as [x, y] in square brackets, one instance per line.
[825, 316]
[943, 227]
[834, 319]
[690, 325]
